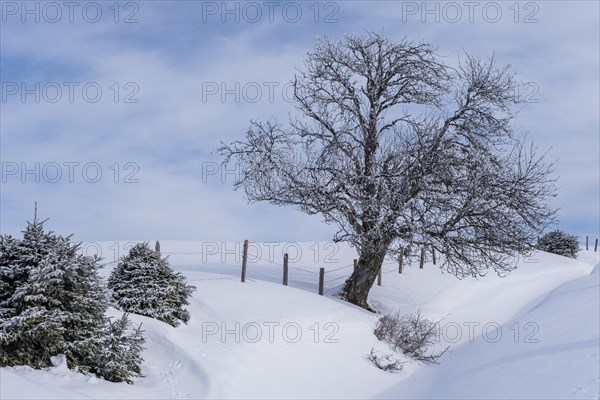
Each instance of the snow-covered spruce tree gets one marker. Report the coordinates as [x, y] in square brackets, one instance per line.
[52, 301]
[120, 356]
[559, 242]
[144, 283]
[400, 150]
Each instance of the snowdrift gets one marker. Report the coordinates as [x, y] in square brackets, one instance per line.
[533, 334]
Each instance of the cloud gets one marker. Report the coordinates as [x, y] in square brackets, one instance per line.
[180, 80]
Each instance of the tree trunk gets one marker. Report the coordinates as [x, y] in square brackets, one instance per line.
[357, 287]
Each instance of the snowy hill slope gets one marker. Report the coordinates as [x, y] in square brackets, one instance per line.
[263, 340]
[550, 351]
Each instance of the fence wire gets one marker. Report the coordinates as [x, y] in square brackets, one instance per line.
[267, 261]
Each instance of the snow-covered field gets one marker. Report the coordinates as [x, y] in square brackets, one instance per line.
[533, 334]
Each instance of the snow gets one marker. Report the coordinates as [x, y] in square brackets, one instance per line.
[550, 351]
[261, 339]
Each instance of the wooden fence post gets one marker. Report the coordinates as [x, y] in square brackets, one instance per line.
[321, 280]
[400, 261]
[422, 261]
[596, 245]
[285, 269]
[244, 260]
[433, 254]
[379, 276]
[586, 242]
[355, 263]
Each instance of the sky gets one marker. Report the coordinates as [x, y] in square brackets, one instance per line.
[111, 111]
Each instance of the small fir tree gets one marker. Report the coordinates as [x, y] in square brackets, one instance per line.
[120, 356]
[144, 283]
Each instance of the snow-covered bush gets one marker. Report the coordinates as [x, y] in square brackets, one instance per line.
[52, 301]
[144, 283]
[559, 242]
[412, 334]
[386, 362]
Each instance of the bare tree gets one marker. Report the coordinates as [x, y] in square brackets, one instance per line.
[400, 150]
